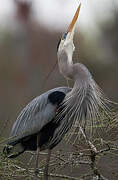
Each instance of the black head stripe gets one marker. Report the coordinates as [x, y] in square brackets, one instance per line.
[58, 44]
[63, 38]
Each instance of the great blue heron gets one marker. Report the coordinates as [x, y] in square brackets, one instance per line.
[44, 121]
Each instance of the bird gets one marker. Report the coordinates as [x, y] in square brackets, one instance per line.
[43, 123]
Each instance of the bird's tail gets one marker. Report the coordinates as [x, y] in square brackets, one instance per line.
[13, 150]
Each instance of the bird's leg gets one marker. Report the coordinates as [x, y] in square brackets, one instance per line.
[47, 165]
[37, 157]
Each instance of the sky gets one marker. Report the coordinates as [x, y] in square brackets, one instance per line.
[56, 14]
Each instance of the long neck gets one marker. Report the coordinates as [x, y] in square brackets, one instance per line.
[77, 72]
[65, 64]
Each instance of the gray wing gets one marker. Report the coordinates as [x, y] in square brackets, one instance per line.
[35, 116]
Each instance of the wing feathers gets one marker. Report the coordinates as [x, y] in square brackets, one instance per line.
[35, 115]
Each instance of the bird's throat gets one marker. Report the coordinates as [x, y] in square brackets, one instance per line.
[65, 64]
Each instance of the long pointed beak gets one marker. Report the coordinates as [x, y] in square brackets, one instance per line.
[74, 20]
[68, 36]
[71, 28]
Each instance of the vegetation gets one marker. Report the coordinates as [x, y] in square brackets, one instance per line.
[81, 155]
[27, 53]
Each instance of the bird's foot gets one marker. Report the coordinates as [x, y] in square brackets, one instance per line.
[36, 173]
[45, 174]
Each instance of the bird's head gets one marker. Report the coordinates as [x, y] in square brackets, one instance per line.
[66, 41]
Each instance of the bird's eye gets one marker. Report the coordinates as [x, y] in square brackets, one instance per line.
[64, 36]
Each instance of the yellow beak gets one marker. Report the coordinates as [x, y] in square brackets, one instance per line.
[70, 28]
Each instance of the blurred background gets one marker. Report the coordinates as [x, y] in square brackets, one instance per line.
[29, 33]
